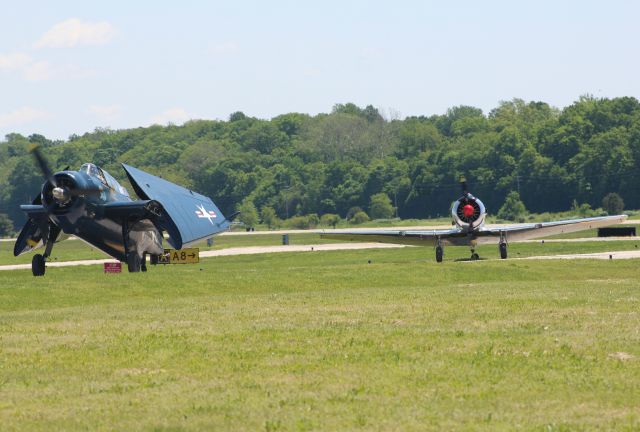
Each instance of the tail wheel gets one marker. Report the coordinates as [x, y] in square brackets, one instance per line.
[133, 262]
[38, 265]
[439, 253]
[503, 250]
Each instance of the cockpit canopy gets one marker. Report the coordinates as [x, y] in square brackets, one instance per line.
[104, 177]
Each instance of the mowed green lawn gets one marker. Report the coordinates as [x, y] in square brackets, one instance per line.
[324, 341]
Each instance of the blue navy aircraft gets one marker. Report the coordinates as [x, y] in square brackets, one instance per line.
[90, 204]
[468, 214]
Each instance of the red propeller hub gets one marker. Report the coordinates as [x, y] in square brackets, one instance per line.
[468, 210]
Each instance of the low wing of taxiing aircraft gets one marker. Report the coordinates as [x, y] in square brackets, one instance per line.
[90, 204]
[468, 214]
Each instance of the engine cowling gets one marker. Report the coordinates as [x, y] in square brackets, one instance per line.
[468, 212]
[61, 196]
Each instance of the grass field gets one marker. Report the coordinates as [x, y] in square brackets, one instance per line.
[325, 341]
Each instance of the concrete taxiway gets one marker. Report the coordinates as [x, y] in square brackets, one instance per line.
[633, 254]
[250, 250]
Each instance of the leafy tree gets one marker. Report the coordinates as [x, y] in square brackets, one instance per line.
[513, 208]
[298, 222]
[380, 206]
[291, 124]
[269, 217]
[352, 212]
[329, 219]
[237, 116]
[359, 217]
[456, 114]
[613, 203]
[303, 222]
[314, 220]
[416, 136]
[6, 226]
[372, 114]
[348, 108]
[582, 210]
[263, 137]
[346, 182]
[16, 145]
[248, 213]
[26, 183]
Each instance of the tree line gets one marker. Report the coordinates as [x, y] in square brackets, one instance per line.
[353, 159]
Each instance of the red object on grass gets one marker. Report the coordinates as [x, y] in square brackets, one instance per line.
[113, 267]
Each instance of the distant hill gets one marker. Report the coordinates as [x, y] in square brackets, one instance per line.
[298, 164]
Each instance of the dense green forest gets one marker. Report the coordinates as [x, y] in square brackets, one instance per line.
[297, 164]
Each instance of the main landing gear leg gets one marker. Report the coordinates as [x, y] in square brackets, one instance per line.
[503, 246]
[38, 262]
[439, 251]
[133, 259]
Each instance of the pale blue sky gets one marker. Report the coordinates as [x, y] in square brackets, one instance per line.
[70, 66]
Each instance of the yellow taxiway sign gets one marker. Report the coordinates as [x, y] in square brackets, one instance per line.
[180, 256]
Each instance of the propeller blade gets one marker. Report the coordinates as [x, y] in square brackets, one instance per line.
[42, 164]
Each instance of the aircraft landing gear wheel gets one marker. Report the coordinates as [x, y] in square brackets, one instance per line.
[133, 262]
[439, 253]
[153, 259]
[37, 265]
[475, 256]
[503, 250]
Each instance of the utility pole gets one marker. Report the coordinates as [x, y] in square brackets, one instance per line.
[395, 201]
[286, 200]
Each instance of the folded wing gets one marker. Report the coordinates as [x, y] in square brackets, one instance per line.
[191, 216]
